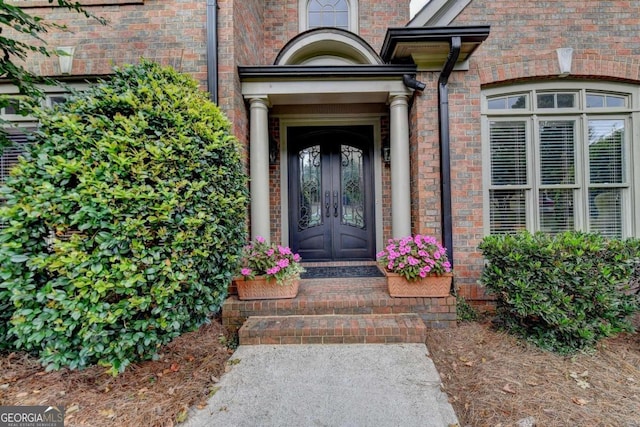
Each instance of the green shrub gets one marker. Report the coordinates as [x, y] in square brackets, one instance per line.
[562, 292]
[126, 224]
[465, 311]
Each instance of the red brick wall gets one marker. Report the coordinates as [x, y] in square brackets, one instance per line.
[378, 15]
[522, 46]
[168, 32]
[425, 159]
[281, 23]
[525, 35]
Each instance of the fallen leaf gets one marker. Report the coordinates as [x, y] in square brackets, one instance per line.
[579, 379]
[214, 379]
[171, 391]
[182, 416]
[174, 367]
[22, 394]
[213, 391]
[4, 386]
[71, 409]
[508, 389]
[108, 413]
[579, 401]
[532, 383]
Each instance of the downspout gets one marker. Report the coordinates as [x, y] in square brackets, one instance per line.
[445, 155]
[212, 49]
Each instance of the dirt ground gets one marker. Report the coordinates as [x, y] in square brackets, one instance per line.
[492, 379]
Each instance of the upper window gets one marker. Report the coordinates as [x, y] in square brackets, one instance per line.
[561, 162]
[328, 13]
[341, 14]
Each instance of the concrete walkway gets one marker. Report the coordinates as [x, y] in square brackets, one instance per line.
[328, 385]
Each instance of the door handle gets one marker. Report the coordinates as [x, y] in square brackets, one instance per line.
[335, 203]
[327, 201]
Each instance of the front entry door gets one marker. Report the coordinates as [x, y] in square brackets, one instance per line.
[331, 202]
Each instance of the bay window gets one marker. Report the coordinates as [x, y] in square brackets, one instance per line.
[558, 158]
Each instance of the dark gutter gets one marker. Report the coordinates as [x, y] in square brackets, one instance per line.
[212, 49]
[324, 71]
[445, 143]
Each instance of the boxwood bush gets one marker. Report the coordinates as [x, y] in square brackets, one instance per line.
[125, 222]
[562, 292]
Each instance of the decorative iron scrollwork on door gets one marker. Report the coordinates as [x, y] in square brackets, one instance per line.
[310, 211]
[352, 186]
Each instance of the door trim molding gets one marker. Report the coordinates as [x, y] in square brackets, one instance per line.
[327, 120]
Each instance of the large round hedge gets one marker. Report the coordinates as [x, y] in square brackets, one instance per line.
[125, 223]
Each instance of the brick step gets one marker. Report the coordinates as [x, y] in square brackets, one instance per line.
[342, 297]
[333, 329]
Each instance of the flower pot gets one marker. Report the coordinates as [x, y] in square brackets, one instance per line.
[427, 287]
[261, 288]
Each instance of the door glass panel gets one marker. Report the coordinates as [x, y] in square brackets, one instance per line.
[352, 186]
[310, 211]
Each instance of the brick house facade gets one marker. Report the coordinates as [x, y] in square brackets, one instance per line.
[277, 79]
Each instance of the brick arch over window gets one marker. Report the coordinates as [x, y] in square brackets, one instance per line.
[545, 65]
[327, 46]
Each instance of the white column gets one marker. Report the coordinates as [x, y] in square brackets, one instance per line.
[400, 173]
[259, 168]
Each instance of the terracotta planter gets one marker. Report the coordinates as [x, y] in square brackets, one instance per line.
[428, 287]
[261, 288]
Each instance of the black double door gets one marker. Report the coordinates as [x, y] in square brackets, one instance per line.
[331, 197]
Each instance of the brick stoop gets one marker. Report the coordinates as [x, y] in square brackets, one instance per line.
[334, 329]
[342, 296]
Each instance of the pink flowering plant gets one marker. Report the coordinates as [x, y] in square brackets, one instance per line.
[414, 257]
[260, 258]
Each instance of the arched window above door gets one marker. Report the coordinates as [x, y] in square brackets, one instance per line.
[341, 14]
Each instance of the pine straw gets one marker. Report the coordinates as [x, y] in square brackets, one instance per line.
[493, 379]
[151, 393]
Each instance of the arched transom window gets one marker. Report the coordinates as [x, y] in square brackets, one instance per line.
[329, 13]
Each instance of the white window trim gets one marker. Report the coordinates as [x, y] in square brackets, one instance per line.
[532, 115]
[303, 24]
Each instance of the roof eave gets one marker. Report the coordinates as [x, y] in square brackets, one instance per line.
[429, 46]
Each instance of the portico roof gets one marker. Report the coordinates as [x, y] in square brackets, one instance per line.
[321, 84]
[428, 47]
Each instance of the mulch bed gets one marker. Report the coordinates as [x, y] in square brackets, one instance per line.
[492, 379]
[150, 393]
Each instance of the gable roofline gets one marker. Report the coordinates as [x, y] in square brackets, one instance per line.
[438, 13]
